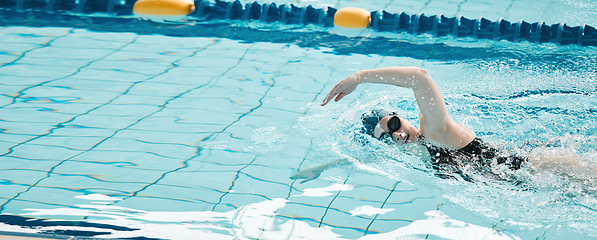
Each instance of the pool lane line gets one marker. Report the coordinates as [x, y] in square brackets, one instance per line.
[381, 20]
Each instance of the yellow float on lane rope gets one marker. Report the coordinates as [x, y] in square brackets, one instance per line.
[352, 17]
[164, 7]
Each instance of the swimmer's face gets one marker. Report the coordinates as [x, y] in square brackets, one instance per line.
[398, 129]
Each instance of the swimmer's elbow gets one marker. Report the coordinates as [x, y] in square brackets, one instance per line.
[418, 73]
[421, 72]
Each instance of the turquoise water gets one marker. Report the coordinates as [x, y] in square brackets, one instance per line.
[128, 135]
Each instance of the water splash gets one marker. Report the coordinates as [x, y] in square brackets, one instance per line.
[267, 139]
[544, 112]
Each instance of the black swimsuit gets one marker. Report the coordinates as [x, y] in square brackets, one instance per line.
[476, 156]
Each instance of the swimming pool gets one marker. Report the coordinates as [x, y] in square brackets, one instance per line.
[120, 133]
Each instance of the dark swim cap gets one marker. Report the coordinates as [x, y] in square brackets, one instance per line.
[371, 119]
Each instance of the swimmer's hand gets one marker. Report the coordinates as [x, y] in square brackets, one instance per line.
[309, 174]
[343, 88]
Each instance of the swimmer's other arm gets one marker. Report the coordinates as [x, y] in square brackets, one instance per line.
[314, 172]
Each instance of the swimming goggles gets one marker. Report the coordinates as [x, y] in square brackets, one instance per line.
[394, 125]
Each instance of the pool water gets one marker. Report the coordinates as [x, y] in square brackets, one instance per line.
[129, 135]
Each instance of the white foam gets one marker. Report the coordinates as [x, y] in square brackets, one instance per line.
[326, 191]
[97, 197]
[370, 210]
[257, 220]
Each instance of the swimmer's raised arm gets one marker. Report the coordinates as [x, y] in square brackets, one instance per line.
[430, 101]
[435, 122]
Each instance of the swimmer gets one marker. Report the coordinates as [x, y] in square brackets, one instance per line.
[454, 149]
[452, 146]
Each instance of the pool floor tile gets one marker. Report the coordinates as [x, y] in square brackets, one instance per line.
[31, 70]
[413, 210]
[219, 180]
[12, 187]
[37, 151]
[109, 75]
[29, 208]
[173, 199]
[24, 130]
[108, 172]
[385, 226]
[256, 182]
[345, 224]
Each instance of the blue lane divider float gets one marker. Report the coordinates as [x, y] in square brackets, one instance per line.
[383, 21]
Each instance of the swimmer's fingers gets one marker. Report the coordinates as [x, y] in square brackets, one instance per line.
[327, 98]
[346, 89]
[330, 96]
[340, 96]
[343, 88]
[335, 91]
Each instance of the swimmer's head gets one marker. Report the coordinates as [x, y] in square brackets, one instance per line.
[371, 119]
[388, 127]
